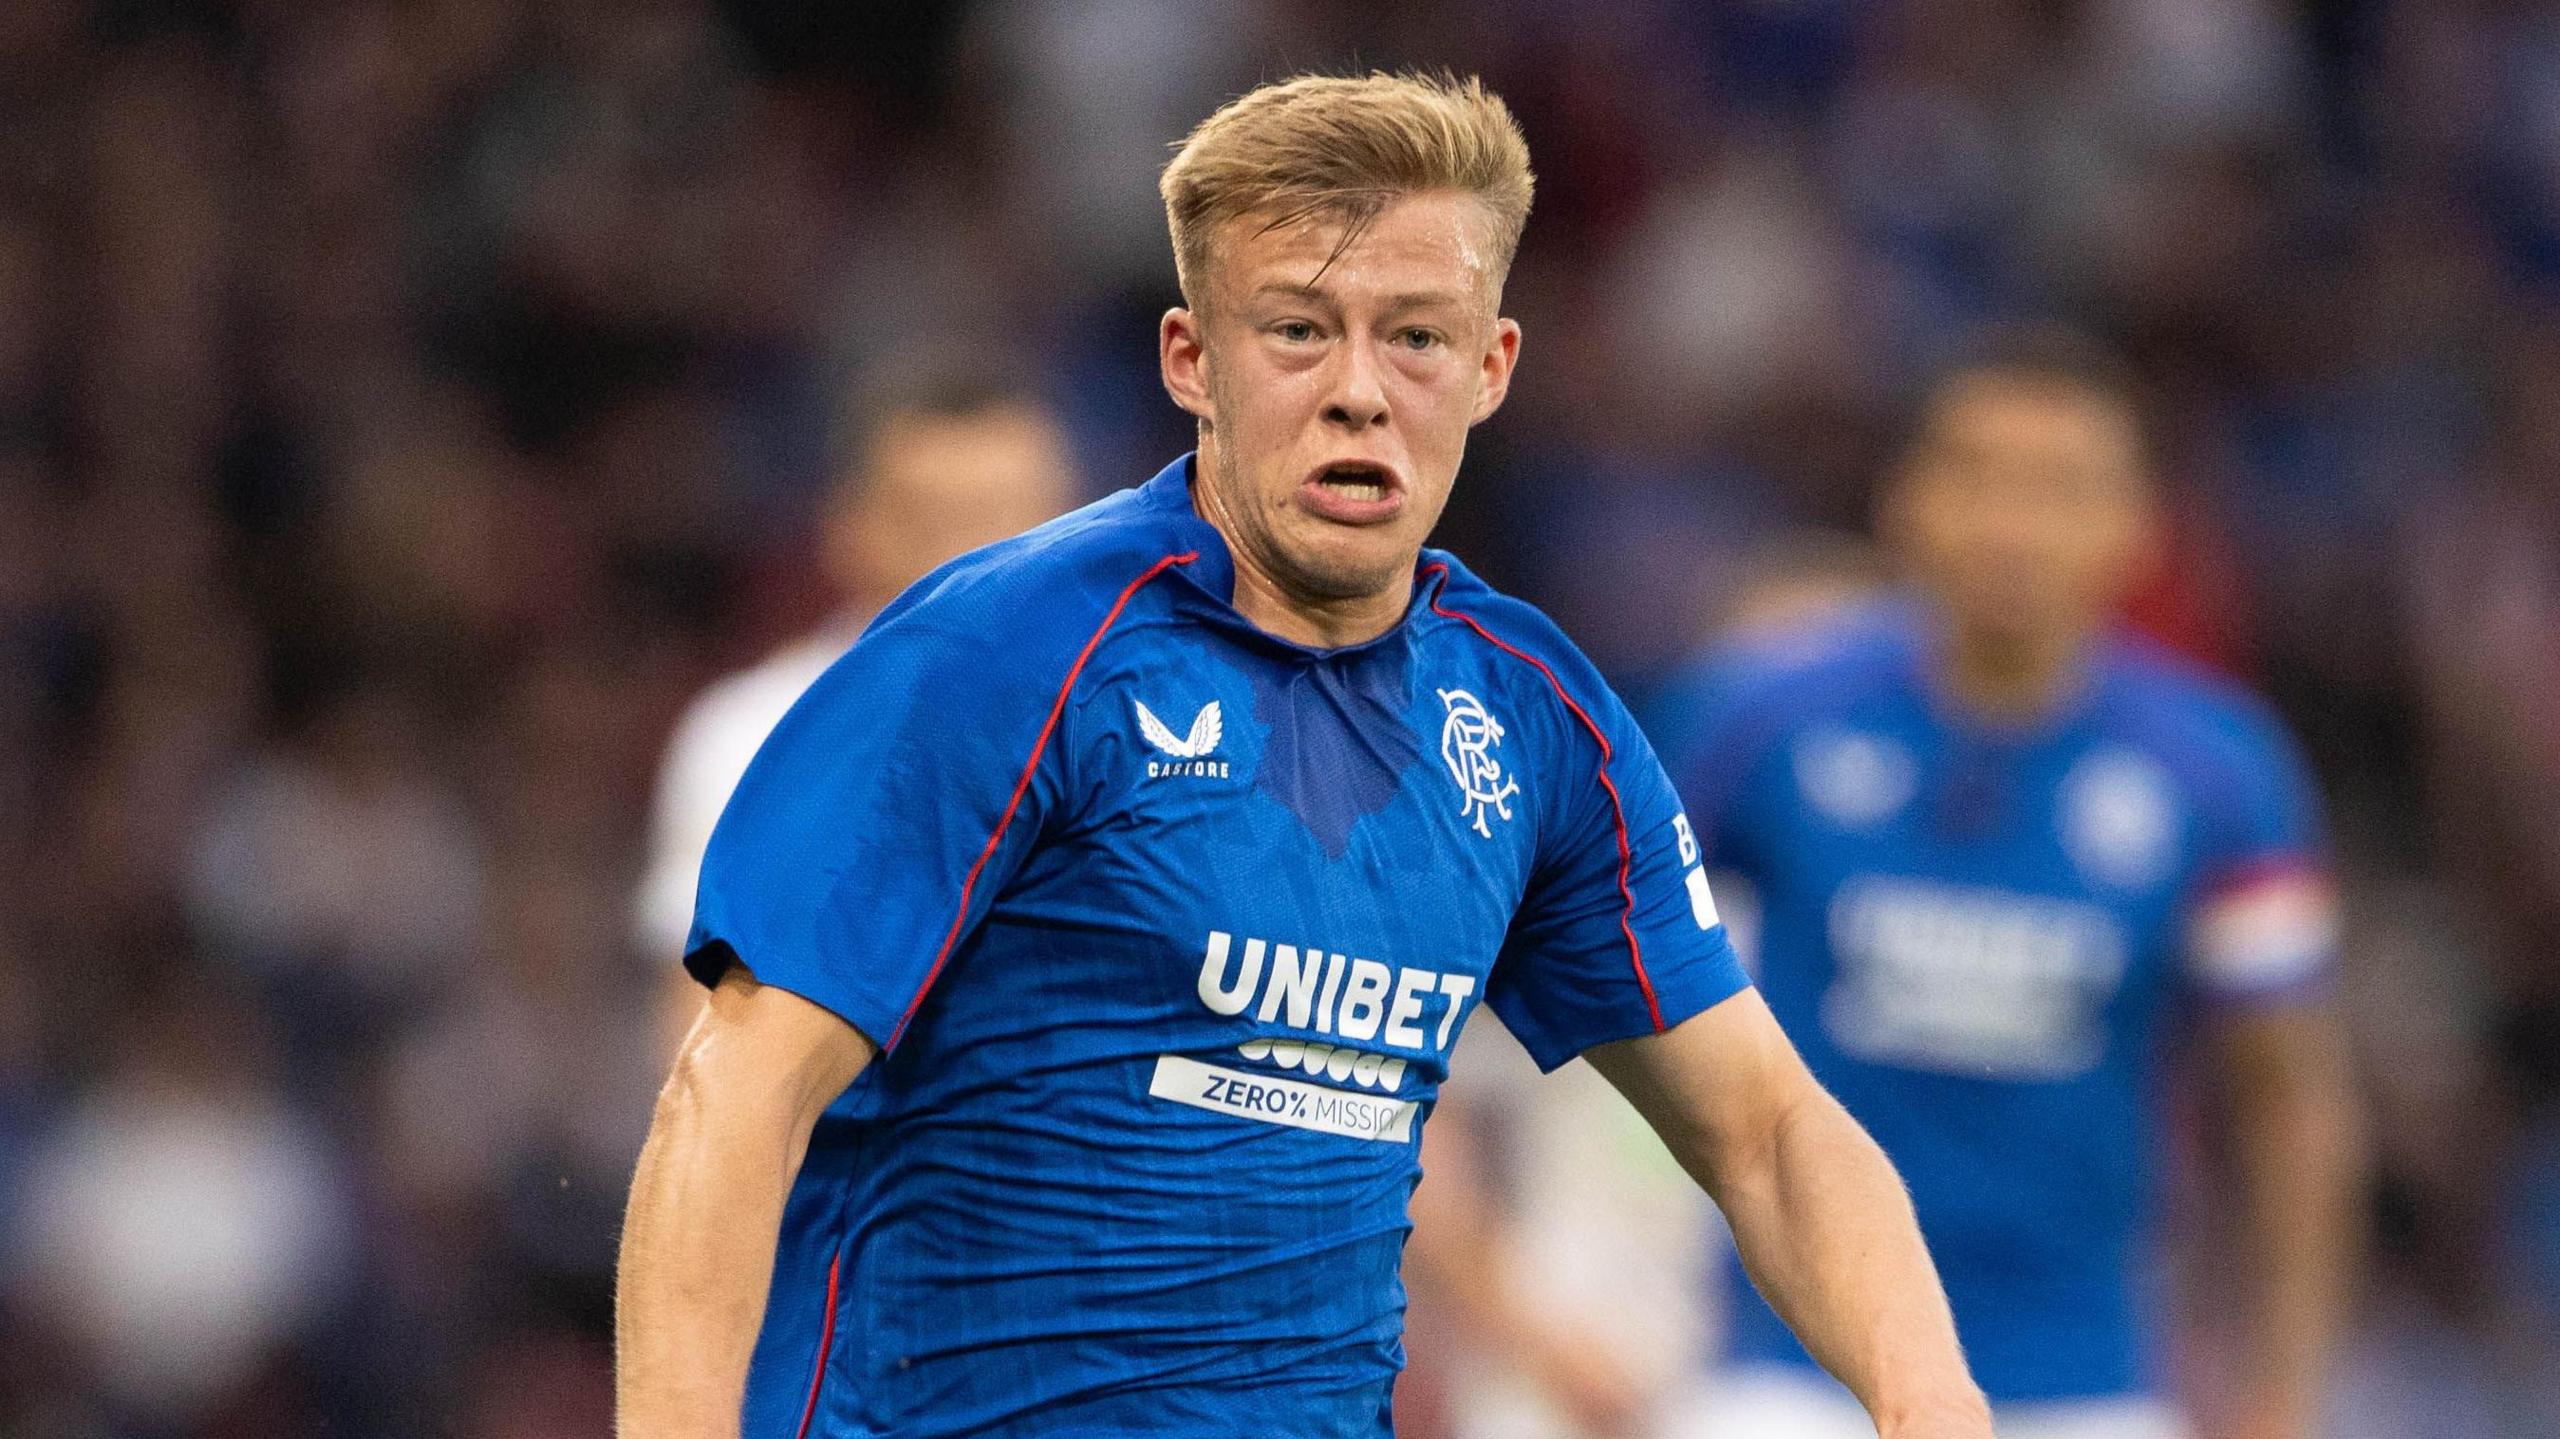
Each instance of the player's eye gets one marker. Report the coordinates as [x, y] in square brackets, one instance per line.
[1418, 339]
[1296, 332]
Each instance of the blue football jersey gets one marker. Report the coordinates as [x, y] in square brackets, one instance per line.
[1166, 928]
[1976, 935]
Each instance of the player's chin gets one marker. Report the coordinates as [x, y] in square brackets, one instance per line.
[2004, 602]
[1346, 562]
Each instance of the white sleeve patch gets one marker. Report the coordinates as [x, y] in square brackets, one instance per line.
[2265, 932]
[1702, 900]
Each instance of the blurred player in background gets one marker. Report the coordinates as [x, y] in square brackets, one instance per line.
[2000, 857]
[1554, 1258]
[1556, 1247]
[1089, 942]
[942, 457]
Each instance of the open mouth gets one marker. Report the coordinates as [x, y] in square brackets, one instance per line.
[1354, 491]
[1356, 481]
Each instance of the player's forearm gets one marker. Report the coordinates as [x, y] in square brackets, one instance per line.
[2300, 1153]
[1827, 1232]
[1819, 1214]
[697, 1260]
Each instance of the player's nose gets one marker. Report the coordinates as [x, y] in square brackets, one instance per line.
[1357, 397]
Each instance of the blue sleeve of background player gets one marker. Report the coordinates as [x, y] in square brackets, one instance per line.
[887, 810]
[1714, 725]
[1618, 935]
[2262, 921]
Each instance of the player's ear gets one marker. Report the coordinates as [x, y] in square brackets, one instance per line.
[1182, 359]
[1501, 356]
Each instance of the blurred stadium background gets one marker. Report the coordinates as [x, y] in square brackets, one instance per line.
[406, 406]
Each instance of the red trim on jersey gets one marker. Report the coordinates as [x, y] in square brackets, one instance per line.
[2282, 867]
[826, 1341]
[1617, 807]
[1022, 786]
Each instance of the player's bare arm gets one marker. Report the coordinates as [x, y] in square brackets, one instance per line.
[731, 1128]
[1820, 1217]
[2298, 1155]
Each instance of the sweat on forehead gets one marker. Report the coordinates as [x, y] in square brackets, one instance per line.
[1434, 243]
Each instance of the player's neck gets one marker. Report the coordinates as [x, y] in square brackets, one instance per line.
[1271, 605]
[2009, 679]
[1323, 624]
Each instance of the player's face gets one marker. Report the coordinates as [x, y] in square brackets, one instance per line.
[1335, 398]
[938, 486]
[2024, 508]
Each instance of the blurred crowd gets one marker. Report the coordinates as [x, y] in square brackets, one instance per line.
[406, 406]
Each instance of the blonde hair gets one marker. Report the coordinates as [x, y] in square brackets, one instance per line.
[1340, 147]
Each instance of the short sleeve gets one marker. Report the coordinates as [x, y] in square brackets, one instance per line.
[1618, 934]
[882, 817]
[2263, 924]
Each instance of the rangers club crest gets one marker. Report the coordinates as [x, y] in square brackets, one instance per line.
[1467, 740]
